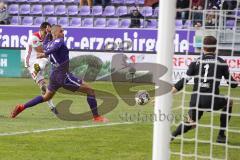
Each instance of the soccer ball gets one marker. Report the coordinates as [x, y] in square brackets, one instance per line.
[142, 97]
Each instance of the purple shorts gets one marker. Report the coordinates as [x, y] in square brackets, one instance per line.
[67, 80]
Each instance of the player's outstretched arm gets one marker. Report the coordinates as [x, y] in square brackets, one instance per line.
[228, 77]
[180, 84]
[233, 83]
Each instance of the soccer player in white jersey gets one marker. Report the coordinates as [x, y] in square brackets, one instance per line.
[35, 65]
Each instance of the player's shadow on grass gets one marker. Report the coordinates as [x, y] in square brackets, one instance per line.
[109, 103]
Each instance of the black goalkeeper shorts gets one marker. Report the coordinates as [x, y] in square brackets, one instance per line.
[204, 103]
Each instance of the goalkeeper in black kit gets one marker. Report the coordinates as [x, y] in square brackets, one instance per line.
[207, 72]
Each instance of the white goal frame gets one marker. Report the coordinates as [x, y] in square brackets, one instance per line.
[165, 51]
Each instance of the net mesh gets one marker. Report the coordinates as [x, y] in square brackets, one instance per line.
[221, 20]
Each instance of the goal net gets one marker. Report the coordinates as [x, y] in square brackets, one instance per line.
[220, 19]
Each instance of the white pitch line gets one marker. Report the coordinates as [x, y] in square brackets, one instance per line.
[64, 128]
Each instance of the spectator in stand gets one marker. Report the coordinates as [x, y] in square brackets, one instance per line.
[211, 17]
[4, 17]
[229, 4]
[197, 13]
[211, 20]
[135, 16]
[183, 9]
[198, 3]
[101, 2]
[86, 2]
[213, 4]
[151, 3]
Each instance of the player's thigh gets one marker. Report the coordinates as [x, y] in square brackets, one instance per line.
[220, 102]
[42, 62]
[205, 102]
[193, 100]
[213, 102]
[72, 83]
[194, 112]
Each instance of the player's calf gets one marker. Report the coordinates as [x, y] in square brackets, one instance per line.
[86, 88]
[19, 108]
[224, 120]
[92, 102]
[43, 88]
[183, 128]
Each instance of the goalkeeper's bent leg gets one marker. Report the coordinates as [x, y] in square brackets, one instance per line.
[225, 116]
[185, 127]
[189, 124]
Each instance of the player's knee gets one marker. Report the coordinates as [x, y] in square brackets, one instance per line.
[91, 92]
[229, 106]
[47, 96]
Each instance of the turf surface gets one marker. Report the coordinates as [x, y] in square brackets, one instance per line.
[126, 141]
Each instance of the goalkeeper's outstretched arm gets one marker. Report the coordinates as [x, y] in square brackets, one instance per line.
[228, 77]
[180, 84]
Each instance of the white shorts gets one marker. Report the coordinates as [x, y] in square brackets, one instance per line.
[42, 63]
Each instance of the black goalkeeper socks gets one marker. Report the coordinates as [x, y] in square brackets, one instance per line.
[223, 120]
[178, 131]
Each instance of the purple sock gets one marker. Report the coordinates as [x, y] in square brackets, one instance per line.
[93, 104]
[34, 101]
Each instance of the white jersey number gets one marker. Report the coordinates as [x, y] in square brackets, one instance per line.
[206, 67]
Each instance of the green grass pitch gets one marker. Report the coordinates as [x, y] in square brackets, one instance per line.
[126, 141]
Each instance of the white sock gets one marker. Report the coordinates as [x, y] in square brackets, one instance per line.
[50, 104]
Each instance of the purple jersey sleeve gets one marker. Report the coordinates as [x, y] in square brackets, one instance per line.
[55, 45]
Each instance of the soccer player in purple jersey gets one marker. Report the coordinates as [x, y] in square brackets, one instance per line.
[60, 76]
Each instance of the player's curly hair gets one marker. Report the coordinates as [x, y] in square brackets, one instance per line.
[44, 25]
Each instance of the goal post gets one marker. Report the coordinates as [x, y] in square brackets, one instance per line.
[163, 103]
